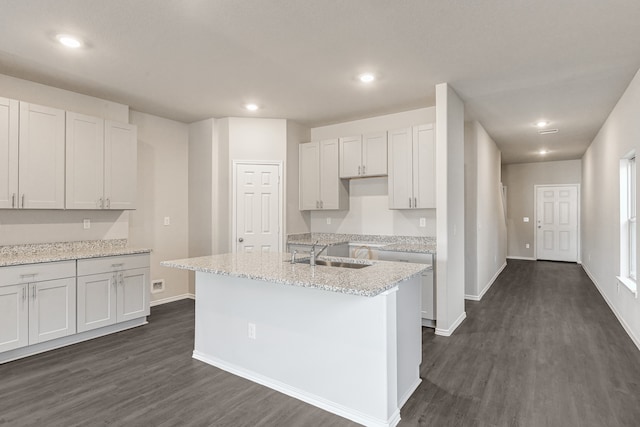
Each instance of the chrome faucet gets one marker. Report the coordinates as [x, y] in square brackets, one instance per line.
[293, 256]
[313, 255]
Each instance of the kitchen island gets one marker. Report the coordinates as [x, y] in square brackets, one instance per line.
[347, 340]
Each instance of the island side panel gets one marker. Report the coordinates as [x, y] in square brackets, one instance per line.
[333, 350]
[409, 338]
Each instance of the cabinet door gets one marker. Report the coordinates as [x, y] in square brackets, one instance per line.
[97, 301]
[309, 176]
[331, 190]
[133, 294]
[52, 309]
[120, 165]
[14, 317]
[350, 157]
[8, 153]
[85, 162]
[400, 169]
[374, 154]
[41, 157]
[424, 166]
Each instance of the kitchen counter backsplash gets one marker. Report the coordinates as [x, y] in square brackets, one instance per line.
[391, 243]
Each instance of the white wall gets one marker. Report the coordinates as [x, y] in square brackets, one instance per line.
[485, 224]
[296, 221]
[369, 211]
[162, 192]
[520, 180]
[450, 269]
[600, 212]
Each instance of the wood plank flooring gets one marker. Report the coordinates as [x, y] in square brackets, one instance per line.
[541, 349]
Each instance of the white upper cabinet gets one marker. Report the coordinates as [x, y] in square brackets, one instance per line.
[85, 162]
[120, 165]
[41, 156]
[412, 168]
[320, 184]
[9, 113]
[362, 156]
[101, 163]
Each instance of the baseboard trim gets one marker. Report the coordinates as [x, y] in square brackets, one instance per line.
[526, 258]
[42, 347]
[451, 330]
[172, 299]
[624, 324]
[309, 398]
[487, 286]
[409, 392]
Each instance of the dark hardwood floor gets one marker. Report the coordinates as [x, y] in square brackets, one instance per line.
[541, 349]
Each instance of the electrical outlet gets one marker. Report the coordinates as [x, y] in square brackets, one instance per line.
[423, 222]
[328, 221]
[527, 245]
[251, 331]
[167, 220]
[525, 219]
[86, 224]
[157, 286]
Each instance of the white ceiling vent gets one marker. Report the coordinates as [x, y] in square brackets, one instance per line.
[547, 131]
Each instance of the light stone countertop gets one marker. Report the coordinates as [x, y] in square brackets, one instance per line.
[416, 244]
[65, 251]
[275, 267]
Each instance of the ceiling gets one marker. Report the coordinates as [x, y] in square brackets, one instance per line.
[513, 62]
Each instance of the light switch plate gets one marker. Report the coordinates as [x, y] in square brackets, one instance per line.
[167, 220]
[328, 220]
[86, 224]
[423, 222]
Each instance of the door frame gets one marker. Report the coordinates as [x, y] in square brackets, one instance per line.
[234, 192]
[535, 218]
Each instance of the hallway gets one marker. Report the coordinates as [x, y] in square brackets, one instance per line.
[542, 348]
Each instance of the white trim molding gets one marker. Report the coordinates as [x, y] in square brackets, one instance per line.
[487, 286]
[449, 332]
[524, 258]
[635, 339]
[172, 299]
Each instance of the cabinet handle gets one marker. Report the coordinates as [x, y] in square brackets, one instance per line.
[359, 167]
[409, 201]
[415, 202]
[121, 279]
[321, 204]
[24, 293]
[13, 200]
[108, 203]
[23, 200]
[101, 203]
[364, 168]
[120, 264]
[33, 292]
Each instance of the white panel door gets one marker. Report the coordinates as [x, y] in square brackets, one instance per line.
[400, 169]
[557, 223]
[85, 162]
[9, 110]
[309, 176]
[133, 294]
[97, 301]
[374, 154]
[14, 317]
[424, 167]
[120, 165]
[52, 309]
[330, 185]
[41, 153]
[350, 156]
[257, 208]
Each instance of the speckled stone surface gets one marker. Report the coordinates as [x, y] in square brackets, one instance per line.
[415, 244]
[64, 251]
[275, 267]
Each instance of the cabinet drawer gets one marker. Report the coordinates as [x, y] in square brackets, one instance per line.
[112, 263]
[32, 273]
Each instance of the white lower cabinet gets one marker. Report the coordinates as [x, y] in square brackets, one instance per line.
[112, 290]
[37, 303]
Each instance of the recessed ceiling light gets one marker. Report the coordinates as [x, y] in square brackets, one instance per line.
[69, 41]
[543, 152]
[547, 131]
[251, 107]
[542, 123]
[367, 77]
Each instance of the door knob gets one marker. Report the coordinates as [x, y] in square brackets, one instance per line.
[240, 240]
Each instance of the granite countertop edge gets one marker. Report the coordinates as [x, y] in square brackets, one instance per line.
[55, 256]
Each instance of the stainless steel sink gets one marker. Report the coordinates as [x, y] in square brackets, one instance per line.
[339, 264]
